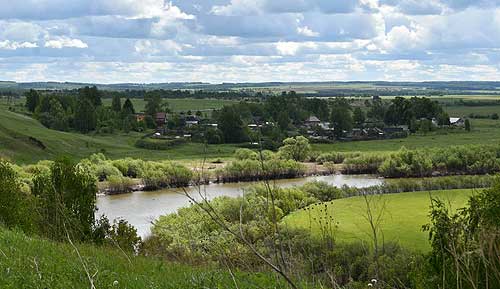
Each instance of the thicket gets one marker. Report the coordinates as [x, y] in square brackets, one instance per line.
[469, 159]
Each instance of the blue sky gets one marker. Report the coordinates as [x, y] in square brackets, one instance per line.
[110, 41]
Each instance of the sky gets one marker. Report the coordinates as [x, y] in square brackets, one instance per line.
[148, 41]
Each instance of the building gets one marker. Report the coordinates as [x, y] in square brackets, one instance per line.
[457, 121]
[192, 120]
[160, 118]
[312, 121]
[140, 117]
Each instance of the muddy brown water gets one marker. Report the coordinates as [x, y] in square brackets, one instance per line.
[142, 208]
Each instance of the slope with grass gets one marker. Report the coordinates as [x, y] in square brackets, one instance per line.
[24, 140]
[403, 216]
[27, 262]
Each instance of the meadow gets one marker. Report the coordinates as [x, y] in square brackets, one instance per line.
[484, 131]
[30, 262]
[182, 104]
[403, 216]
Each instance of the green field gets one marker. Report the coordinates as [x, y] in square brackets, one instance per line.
[27, 262]
[464, 111]
[16, 145]
[182, 104]
[402, 221]
[484, 131]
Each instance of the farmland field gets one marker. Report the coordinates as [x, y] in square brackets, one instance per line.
[402, 221]
[182, 104]
[484, 131]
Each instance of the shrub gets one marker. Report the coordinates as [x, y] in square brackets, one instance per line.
[333, 157]
[157, 175]
[119, 184]
[160, 144]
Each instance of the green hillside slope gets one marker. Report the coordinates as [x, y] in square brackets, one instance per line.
[34, 263]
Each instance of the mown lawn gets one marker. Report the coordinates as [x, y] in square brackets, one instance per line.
[35, 263]
[403, 216]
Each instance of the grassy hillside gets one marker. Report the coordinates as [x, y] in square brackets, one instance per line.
[402, 222]
[34, 263]
[24, 140]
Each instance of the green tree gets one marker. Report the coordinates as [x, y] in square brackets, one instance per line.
[341, 117]
[85, 119]
[359, 116]
[32, 100]
[295, 148]
[468, 125]
[153, 104]
[116, 103]
[128, 107]
[67, 196]
[16, 207]
[231, 125]
[92, 94]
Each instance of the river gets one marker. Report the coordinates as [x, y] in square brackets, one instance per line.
[141, 208]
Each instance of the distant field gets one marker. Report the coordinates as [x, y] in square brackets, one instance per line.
[182, 104]
[454, 97]
[402, 221]
[15, 143]
[484, 131]
[464, 111]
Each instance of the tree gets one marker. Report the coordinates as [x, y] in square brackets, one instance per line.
[359, 116]
[15, 206]
[128, 107]
[92, 94]
[116, 104]
[468, 125]
[341, 118]
[231, 125]
[32, 100]
[443, 119]
[297, 149]
[153, 104]
[67, 196]
[85, 116]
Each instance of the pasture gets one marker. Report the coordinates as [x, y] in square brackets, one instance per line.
[403, 216]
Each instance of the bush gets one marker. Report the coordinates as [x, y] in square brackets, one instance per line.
[119, 184]
[160, 144]
[246, 154]
[333, 157]
[157, 175]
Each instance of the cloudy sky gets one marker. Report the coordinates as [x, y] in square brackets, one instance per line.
[110, 41]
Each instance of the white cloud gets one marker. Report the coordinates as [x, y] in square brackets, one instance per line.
[65, 42]
[306, 31]
[13, 45]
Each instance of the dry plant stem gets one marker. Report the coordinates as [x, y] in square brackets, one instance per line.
[91, 281]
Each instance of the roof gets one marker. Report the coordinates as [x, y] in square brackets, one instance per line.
[161, 115]
[313, 119]
[454, 119]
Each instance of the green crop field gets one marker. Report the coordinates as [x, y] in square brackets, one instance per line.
[484, 131]
[464, 111]
[403, 216]
[24, 140]
[27, 262]
[182, 104]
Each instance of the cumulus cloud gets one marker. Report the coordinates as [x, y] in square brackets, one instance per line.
[65, 42]
[249, 40]
[13, 45]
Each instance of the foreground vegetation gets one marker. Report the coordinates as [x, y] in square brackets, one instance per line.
[32, 262]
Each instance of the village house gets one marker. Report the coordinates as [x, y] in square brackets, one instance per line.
[140, 117]
[312, 121]
[192, 120]
[160, 118]
[457, 121]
